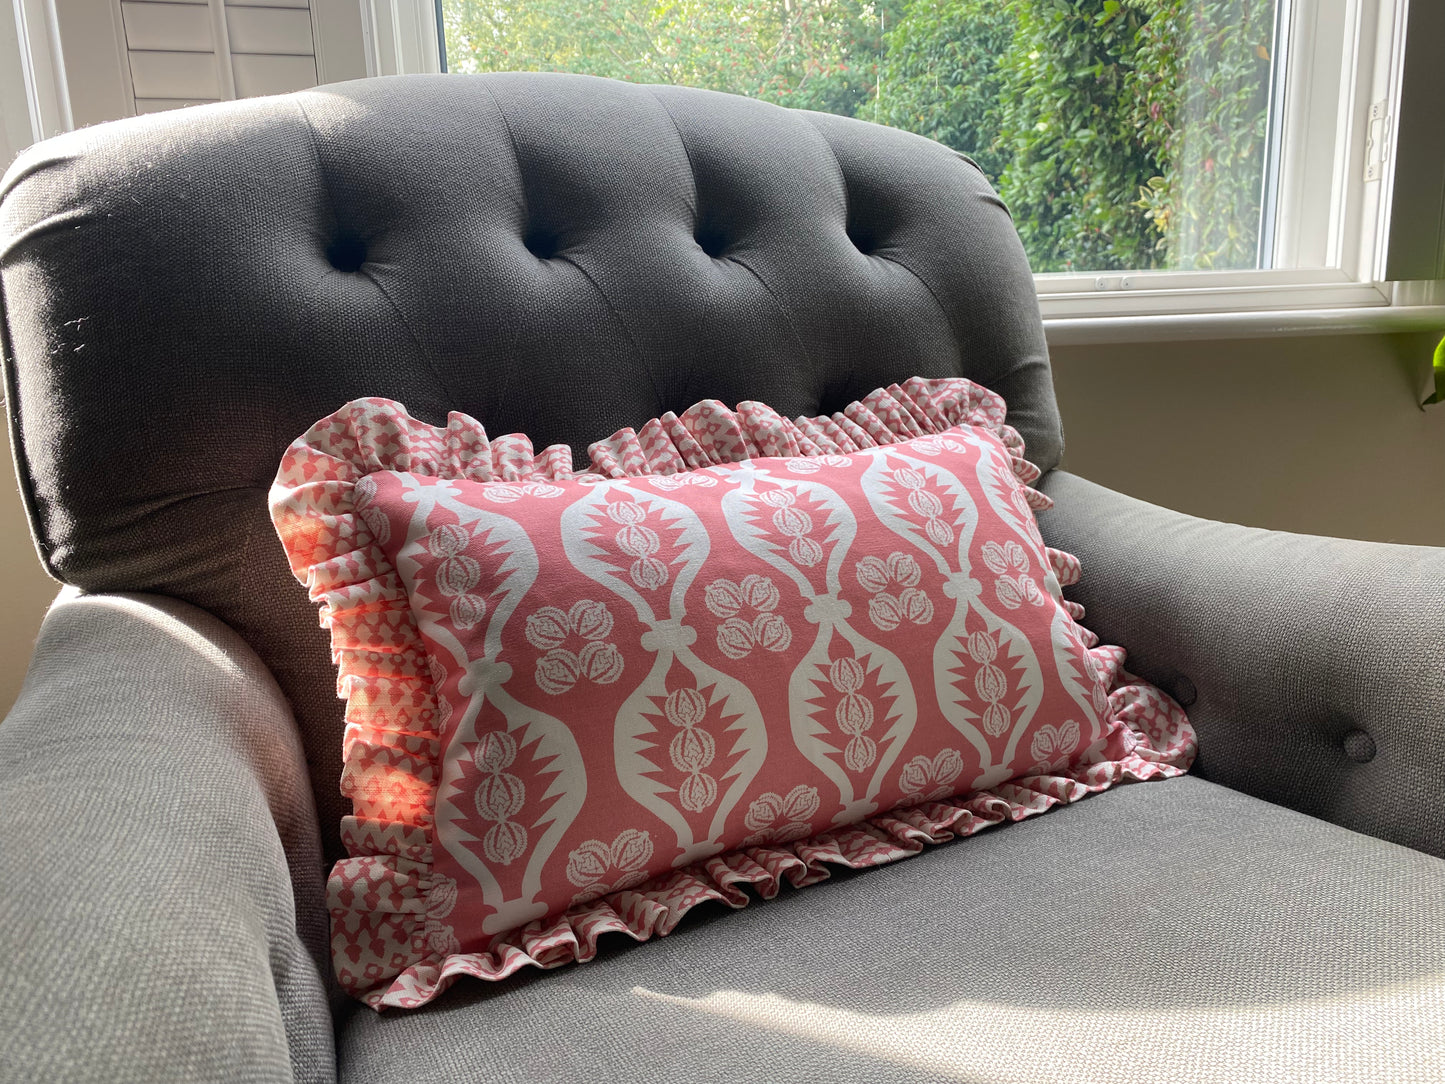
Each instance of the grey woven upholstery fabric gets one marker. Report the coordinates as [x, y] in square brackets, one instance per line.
[552, 254]
[1312, 668]
[160, 865]
[1168, 931]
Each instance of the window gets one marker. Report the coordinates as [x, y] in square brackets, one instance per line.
[1123, 134]
[1159, 156]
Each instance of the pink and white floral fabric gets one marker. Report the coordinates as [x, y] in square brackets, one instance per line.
[737, 650]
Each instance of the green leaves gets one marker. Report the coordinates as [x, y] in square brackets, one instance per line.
[940, 77]
[1204, 69]
[1122, 134]
[1439, 371]
[815, 54]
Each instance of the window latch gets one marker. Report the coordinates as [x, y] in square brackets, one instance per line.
[1377, 140]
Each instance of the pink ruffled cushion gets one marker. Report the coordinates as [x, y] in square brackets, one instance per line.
[551, 736]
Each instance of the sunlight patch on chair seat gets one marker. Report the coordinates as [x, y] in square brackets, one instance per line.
[1366, 1036]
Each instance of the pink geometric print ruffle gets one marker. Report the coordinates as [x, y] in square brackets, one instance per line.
[385, 903]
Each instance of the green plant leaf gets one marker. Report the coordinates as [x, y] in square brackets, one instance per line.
[1439, 373]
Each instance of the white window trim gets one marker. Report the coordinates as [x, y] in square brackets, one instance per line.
[1329, 130]
[1315, 243]
[1360, 99]
[400, 37]
[1239, 324]
[42, 67]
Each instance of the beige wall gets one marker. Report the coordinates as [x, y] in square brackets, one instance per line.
[1319, 434]
[24, 587]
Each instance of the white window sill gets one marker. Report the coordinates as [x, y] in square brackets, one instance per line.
[1174, 327]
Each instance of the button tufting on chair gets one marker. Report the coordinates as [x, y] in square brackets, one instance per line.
[347, 252]
[1183, 691]
[1359, 747]
[862, 238]
[711, 240]
[542, 243]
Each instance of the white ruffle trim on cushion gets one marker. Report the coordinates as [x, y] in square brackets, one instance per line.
[385, 895]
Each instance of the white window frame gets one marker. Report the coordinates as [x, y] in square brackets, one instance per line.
[1342, 100]
[401, 37]
[43, 109]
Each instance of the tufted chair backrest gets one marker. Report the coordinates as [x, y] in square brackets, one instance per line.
[564, 256]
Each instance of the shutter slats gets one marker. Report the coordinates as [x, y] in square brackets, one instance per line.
[278, 31]
[258, 74]
[173, 27]
[177, 48]
[174, 75]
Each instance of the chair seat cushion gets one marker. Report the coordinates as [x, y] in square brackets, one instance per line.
[1176, 931]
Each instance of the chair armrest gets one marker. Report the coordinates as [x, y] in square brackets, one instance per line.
[161, 882]
[1312, 668]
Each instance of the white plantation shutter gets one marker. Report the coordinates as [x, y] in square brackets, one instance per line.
[183, 52]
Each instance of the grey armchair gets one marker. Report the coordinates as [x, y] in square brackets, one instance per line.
[185, 293]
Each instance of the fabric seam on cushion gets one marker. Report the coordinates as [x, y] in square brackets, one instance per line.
[622, 326]
[848, 202]
[516, 154]
[425, 354]
[842, 173]
[41, 164]
[69, 218]
[691, 165]
[707, 309]
[527, 214]
[957, 342]
[847, 210]
[783, 310]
